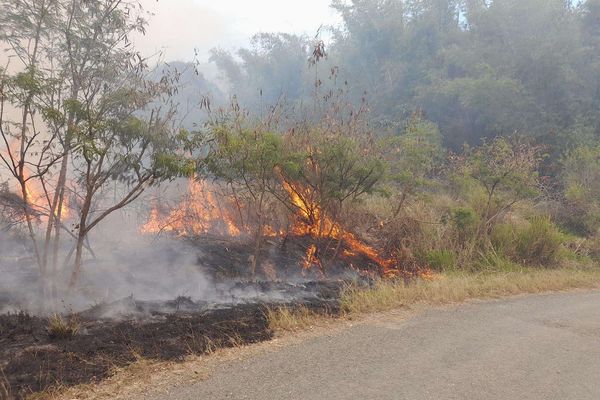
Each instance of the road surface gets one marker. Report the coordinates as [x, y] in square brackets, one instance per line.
[535, 347]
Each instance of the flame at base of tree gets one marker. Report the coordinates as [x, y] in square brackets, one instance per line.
[311, 220]
[311, 260]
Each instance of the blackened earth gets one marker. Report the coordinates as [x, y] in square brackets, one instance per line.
[118, 333]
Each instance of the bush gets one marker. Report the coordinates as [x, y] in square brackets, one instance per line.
[466, 221]
[495, 262]
[538, 243]
[441, 260]
[503, 238]
[580, 178]
[589, 247]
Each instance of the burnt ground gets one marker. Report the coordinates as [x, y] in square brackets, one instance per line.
[117, 334]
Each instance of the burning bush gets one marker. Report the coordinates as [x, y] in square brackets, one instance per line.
[301, 184]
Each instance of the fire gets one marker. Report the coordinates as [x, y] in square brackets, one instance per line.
[200, 212]
[311, 259]
[197, 214]
[64, 210]
[310, 221]
[39, 200]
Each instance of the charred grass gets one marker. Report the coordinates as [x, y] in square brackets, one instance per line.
[34, 359]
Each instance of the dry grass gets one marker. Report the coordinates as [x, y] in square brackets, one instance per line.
[454, 288]
[5, 390]
[135, 377]
[443, 289]
[59, 328]
[284, 319]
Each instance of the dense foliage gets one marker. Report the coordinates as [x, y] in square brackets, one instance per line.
[477, 69]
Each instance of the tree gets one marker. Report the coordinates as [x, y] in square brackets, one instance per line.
[273, 68]
[477, 69]
[506, 170]
[82, 93]
[113, 143]
[331, 170]
[31, 89]
[246, 160]
[411, 156]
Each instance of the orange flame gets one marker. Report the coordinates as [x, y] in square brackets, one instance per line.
[201, 213]
[38, 200]
[311, 258]
[36, 196]
[197, 214]
[310, 221]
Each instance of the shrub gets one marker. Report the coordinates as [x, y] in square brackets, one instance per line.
[466, 221]
[492, 261]
[537, 243]
[590, 247]
[441, 260]
[540, 243]
[580, 178]
[503, 238]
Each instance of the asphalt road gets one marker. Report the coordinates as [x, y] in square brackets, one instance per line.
[535, 347]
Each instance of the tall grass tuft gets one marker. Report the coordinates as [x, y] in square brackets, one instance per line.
[61, 328]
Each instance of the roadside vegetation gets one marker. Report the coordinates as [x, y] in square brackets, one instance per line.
[455, 288]
[415, 193]
[429, 151]
[444, 288]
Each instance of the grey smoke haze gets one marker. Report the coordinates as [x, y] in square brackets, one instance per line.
[125, 264]
[180, 26]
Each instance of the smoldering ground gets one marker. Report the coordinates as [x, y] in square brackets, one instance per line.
[121, 265]
[212, 271]
[156, 297]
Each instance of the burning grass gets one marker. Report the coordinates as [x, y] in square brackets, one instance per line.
[206, 213]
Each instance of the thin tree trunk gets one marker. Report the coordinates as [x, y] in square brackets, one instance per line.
[258, 238]
[81, 239]
[60, 190]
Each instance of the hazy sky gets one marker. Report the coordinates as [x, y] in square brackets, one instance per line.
[179, 26]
